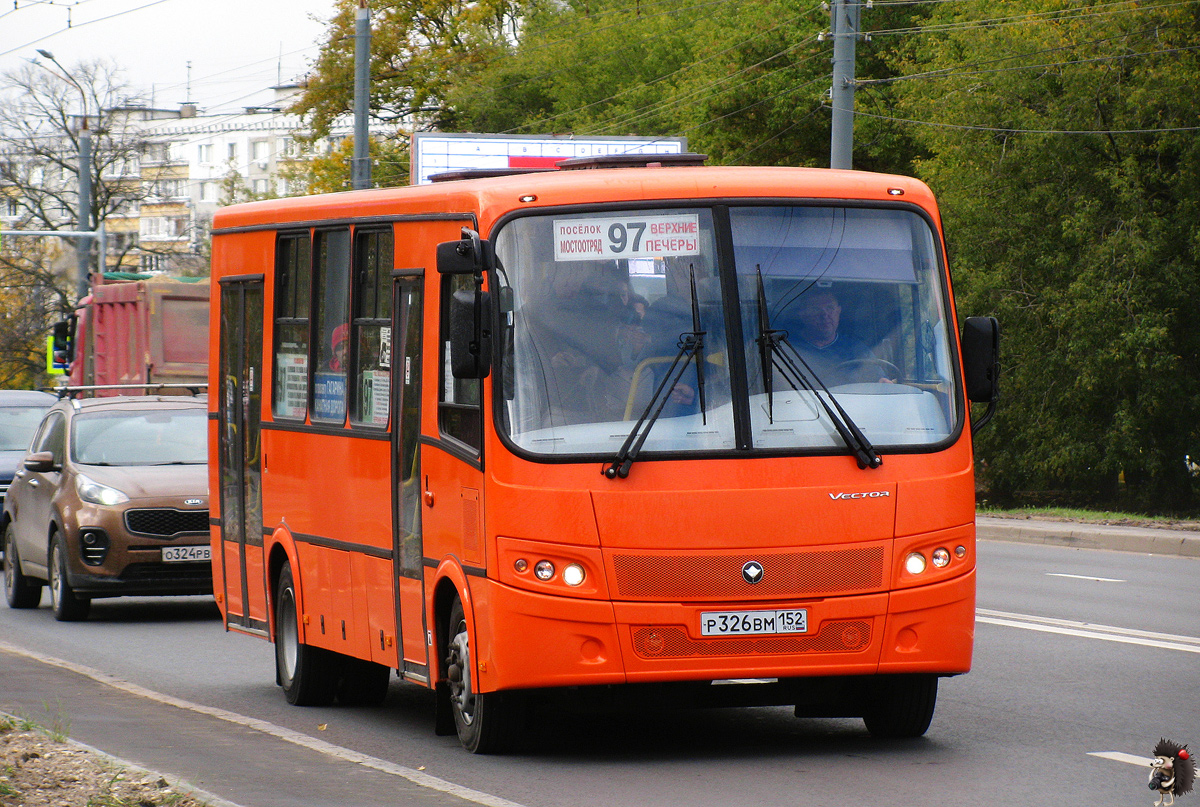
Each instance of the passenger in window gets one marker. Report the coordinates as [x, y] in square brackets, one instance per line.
[577, 329]
[340, 345]
[835, 357]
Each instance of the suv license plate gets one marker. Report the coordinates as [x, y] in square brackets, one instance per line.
[183, 554]
[740, 623]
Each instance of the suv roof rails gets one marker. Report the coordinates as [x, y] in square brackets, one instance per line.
[194, 389]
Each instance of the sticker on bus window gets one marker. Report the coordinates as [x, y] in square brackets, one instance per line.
[631, 236]
[374, 392]
[292, 378]
[385, 347]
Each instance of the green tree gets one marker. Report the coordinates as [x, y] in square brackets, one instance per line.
[419, 49]
[1071, 200]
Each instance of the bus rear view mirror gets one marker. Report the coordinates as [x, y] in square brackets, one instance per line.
[981, 358]
[981, 364]
[470, 334]
[467, 256]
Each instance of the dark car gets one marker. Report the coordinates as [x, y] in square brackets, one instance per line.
[111, 500]
[20, 413]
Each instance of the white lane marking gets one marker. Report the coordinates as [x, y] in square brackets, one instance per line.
[285, 734]
[1085, 577]
[1087, 630]
[1121, 756]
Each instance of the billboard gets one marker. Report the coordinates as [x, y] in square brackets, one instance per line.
[437, 153]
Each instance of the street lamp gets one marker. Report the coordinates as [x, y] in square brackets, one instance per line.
[84, 248]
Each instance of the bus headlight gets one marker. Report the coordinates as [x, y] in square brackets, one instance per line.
[573, 575]
[914, 563]
[544, 570]
[941, 557]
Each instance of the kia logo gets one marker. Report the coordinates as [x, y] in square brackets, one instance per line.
[752, 572]
[191, 502]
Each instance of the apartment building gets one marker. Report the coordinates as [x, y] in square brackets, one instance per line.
[185, 165]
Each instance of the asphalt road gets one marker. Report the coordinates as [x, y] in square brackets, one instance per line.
[1078, 652]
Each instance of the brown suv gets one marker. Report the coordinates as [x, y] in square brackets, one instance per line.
[112, 500]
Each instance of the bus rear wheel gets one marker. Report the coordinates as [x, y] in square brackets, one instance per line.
[486, 722]
[901, 706]
[308, 674]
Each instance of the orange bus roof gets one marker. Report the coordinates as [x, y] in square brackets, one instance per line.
[492, 197]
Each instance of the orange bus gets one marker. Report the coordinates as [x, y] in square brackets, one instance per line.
[692, 429]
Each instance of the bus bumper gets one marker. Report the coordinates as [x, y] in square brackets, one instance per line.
[558, 641]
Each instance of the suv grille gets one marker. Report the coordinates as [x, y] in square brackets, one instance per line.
[166, 522]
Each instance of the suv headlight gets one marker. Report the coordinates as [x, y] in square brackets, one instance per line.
[92, 491]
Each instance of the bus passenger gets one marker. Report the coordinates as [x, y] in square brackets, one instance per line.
[576, 330]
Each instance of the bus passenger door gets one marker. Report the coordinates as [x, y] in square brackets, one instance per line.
[407, 314]
[240, 456]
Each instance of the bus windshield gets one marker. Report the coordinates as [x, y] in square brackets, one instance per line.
[829, 320]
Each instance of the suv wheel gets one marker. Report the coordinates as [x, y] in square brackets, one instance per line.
[19, 590]
[68, 607]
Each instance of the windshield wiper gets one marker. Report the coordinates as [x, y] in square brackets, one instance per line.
[799, 375]
[691, 346]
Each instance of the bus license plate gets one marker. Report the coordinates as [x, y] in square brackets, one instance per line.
[183, 554]
[739, 623]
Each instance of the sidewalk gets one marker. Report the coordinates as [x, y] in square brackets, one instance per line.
[1149, 540]
[228, 761]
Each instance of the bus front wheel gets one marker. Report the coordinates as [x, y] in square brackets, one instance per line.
[307, 674]
[901, 706]
[486, 722]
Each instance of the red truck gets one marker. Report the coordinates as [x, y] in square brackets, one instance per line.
[137, 331]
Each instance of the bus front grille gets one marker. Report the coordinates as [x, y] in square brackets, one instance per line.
[670, 641]
[811, 573]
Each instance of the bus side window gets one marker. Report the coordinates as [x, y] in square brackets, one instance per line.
[331, 287]
[459, 412]
[293, 279]
[372, 327]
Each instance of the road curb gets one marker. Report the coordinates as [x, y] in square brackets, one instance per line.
[1146, 540]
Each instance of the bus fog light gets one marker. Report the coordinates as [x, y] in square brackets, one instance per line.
[521, 564]
[960, 551]
[544, 570]
[573, 575]
[914, 563]
[941, 557]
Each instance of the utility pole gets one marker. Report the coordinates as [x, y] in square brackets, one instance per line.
[360, 166]
[84, 245]
[846, 18]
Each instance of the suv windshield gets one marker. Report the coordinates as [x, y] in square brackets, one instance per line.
[840, 316]
[141, 437]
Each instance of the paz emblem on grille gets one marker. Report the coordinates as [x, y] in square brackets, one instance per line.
[752, 572]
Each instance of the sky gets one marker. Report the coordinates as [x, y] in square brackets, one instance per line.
[238, 49]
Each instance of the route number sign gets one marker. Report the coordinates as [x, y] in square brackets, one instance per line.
[591, 239]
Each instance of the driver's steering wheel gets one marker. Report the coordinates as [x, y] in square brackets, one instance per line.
[858, 367]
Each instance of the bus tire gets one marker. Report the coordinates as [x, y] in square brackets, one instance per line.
[307, 674]
[362, 683]
[901, 706]
[486, 722]
[66, 604]
[20, 591]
